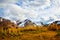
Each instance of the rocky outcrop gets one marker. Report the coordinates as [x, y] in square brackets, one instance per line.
[6, 23]
[55, 25]
[29, 23]
[26, 23]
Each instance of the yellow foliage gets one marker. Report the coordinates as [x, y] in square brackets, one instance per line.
[28, 33]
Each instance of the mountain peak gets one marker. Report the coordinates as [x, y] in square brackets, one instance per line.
[26, 22]
[56, 22]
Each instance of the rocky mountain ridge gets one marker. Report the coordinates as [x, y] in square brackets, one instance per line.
[7, 22]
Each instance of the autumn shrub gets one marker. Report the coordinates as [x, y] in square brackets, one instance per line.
[58, 33]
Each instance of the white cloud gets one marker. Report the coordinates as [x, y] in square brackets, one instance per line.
[8, 1]
[34, 10]
[13, 11]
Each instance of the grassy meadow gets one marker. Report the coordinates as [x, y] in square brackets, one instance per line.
[30, 33]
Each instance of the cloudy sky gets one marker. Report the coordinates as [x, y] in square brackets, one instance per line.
[36, 10]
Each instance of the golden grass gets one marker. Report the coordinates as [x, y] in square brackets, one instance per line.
[28, 33]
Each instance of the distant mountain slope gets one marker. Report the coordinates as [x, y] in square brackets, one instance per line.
[26, 23]
[6, 23]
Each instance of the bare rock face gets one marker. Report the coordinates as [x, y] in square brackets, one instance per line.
[6, 23]
[26, 23]
[55, 25]
[29, 23]
[57, 22]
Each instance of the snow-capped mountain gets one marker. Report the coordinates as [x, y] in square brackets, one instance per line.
[25, 22]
